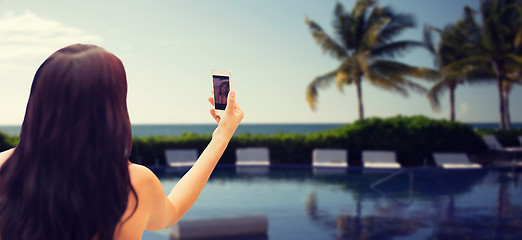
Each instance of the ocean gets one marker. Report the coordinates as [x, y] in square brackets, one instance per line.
[143, 130]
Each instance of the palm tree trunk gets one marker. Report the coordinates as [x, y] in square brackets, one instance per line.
[506, 110]
[452, 101]
[498, 68]
[359, 97]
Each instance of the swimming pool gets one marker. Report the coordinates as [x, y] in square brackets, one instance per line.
[418, 203]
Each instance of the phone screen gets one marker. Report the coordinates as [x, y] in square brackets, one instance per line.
[221, 89]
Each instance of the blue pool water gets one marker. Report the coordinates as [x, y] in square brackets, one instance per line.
[355, 204]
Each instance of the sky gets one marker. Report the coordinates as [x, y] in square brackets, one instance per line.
[170, 47]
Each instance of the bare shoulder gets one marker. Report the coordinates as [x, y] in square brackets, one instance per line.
[5, 155]
[150, 192]
[141, 175]
[145, 182]
[142, 180]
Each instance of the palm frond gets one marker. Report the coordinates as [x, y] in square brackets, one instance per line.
[370, 37]
[361, 22]
[518, 38]
[342, 78]
[466, 64]
[327, 44]
[379, 13]
[361, 6]
[427, 38]
[512, 11]
[488, 8]
[514, 59]
[430, 45]
[360, 63]
[386, 83]
[319, 82]
[399, 70]
[415, 86]
[423, 73]
[339, 9]
[394, 49]
[512, 64]
[496, 27]
[345, 72]
[468, 26]
[342, 24]
[371, 32]
[392, 75]
[398, 23]
[377, 16]
[480, 75]
[468, 13]
[435, 92]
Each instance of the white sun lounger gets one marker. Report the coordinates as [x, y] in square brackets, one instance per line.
[255, 160]
[252, 156]
[494, 145]
[329, 161]
[380, 159]
[181, 157]
[337, 158]
[454, 160]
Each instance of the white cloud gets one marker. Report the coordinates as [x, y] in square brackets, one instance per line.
[28, 36]
[25, 41]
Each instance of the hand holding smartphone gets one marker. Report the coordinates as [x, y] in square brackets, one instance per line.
[221, 84]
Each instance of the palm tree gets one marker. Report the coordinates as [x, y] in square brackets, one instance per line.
[494, 43]
[365, 49]
[450, 49]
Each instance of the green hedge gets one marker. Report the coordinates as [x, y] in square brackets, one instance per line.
[413, 138]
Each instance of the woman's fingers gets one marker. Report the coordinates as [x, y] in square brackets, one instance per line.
[233, 108]
[212, 110]
[213, 114]
[232, 111]
[211, 100]
[231, 101]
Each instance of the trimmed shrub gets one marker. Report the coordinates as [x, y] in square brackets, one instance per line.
[414, 139]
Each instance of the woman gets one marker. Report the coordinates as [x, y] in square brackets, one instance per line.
[223, 93]
[70, 177]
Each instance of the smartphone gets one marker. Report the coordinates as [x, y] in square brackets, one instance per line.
[221, 84]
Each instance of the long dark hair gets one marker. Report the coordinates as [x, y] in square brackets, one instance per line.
[68, 177]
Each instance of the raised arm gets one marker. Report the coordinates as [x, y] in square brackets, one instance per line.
[187, 190]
